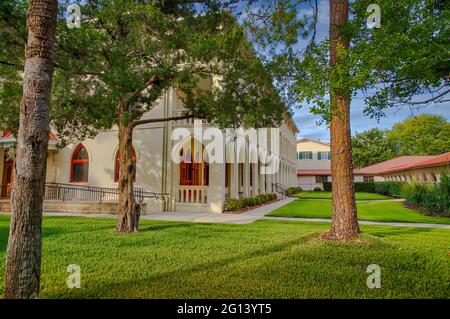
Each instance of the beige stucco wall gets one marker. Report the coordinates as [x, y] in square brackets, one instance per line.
[425, 174]
[155, 170]
[314, 163]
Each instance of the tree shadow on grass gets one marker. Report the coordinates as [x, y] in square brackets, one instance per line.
[399, 231]
[116, 289]
[163, 226]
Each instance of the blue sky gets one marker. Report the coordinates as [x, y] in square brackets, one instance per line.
[306, 122]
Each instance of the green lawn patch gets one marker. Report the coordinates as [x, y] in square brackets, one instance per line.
[373, 211]
[327, 195]
[265, 259]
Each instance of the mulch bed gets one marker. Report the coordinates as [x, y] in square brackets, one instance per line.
[419, 210]
[246, 209]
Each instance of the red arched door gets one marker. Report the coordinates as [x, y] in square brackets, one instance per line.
[8, 176]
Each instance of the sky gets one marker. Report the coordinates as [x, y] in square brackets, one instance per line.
[307, 123]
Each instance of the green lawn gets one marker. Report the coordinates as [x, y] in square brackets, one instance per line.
[373, 211]
[327, 195]
[265, 259]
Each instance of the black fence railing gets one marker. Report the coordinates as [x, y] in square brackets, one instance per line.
[279, 188]
[70, 192]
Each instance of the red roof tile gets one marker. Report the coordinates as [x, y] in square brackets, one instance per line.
[52, 136]
[430, 161]
[313, 172]
[388, 165]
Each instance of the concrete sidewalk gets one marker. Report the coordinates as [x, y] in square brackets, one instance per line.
[361, 222]
[244, 218]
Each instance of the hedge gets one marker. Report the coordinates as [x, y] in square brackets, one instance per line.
[293, 190]
[389, 188]
[236, 204]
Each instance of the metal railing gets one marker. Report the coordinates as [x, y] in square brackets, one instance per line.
[70, 192]
[279, 188]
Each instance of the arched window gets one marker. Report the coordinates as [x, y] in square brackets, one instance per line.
[116, 166]
[79, 165]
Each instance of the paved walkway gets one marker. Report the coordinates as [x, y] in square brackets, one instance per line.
[360, 200]
[361, 222]
[244, 218]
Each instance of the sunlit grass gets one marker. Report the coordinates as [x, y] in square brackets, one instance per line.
[372, 211]
[265, 259]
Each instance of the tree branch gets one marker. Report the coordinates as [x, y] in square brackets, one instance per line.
[166, 119]
[432, 99]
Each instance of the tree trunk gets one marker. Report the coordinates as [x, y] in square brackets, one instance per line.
[344, 224]
[128, 208]
[23, 257]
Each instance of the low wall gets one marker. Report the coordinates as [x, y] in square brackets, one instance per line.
[74, 207]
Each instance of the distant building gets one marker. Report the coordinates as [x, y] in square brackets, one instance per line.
[314, 167]
[408, 169]
[313, 163]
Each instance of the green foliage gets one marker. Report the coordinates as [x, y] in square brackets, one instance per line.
[389, 188]
[132, 52]
[317, 189]
[13, 38]
[407, 55]
[394, 65]
[429, 198]
[286, 261]
[372, 210]
[236, 204]
[233, 204]
[293, 190]
[424, 134]
[371, 147]
[367, 187]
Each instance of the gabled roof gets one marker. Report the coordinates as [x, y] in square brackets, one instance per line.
[312, 140]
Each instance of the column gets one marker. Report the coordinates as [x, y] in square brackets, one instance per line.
[246, 176]
[234, 175]
[255, 179]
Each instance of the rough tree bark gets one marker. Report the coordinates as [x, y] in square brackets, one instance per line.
[23, 257]
[344, 223]
[128, 216]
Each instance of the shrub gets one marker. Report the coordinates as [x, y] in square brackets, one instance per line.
[251, 201]
[293, 190]
[262, 198]
[367, 187]
[233, 204]
[431, 198]
[273, 196]
[258, 200]
[317, 189]
[389, 188]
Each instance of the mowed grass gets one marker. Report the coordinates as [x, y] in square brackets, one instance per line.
[327, 195]
[265, 259]
[372, 211]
